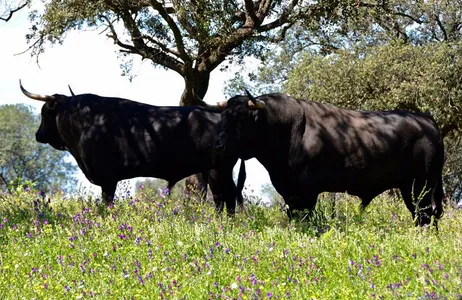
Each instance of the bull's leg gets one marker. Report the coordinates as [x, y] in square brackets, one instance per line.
[438, 197]
[366, 199]
[108, 192]
[300, 203]
[203, 191]
[169, 188]
[305, 196]
[224, 191]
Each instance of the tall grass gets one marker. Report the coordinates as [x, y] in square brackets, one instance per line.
[149, 247]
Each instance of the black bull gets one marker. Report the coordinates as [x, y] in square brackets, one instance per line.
[309, 148]
[114, 139]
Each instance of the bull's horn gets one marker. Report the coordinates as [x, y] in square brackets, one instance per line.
[254, 103]
[45, 98]
[72, 93]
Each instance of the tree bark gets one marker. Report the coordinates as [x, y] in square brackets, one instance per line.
[196, 86]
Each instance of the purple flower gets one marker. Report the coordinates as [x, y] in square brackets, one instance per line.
[269, 295]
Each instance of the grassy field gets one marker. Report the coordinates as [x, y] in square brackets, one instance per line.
[150, 247]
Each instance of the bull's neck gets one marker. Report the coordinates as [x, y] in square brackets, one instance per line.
[281, 126]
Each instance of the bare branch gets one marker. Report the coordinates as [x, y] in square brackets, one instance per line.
[283, 19]
[161, 46]
[38, 41]
[282, 34]
[12, 11]
[113, 35]
[156, 55]
[441, 26]
[2, 177]
[401, 14]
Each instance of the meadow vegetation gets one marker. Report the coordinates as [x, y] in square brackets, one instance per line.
[150, 246]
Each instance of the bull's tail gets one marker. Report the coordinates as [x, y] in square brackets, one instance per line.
[438, 196]
[240, 184]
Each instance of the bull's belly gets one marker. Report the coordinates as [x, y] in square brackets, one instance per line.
[167, 169]
[360, 182]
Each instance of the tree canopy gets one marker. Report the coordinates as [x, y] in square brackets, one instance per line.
[378, 55]
[191, 38]
[397, 76]
[22, 158]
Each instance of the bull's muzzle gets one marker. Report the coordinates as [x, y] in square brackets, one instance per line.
[40, 137]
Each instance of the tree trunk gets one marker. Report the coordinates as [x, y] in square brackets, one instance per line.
[195, 89]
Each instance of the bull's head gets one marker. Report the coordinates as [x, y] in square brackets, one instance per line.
[240, 130]
[48, 132]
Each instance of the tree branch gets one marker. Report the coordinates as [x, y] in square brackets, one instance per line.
[176, 31]
[161, 46]
[5, 182]
[283, 19]
[249, 6]
[14, 10]
[140, 48]
[441, 26]
[401, 14]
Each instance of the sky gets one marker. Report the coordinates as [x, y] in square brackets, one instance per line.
[88, 62]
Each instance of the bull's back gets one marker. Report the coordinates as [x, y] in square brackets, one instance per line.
[125, 139]
[352, 150]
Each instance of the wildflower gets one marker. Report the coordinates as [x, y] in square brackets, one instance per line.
[161, 193]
